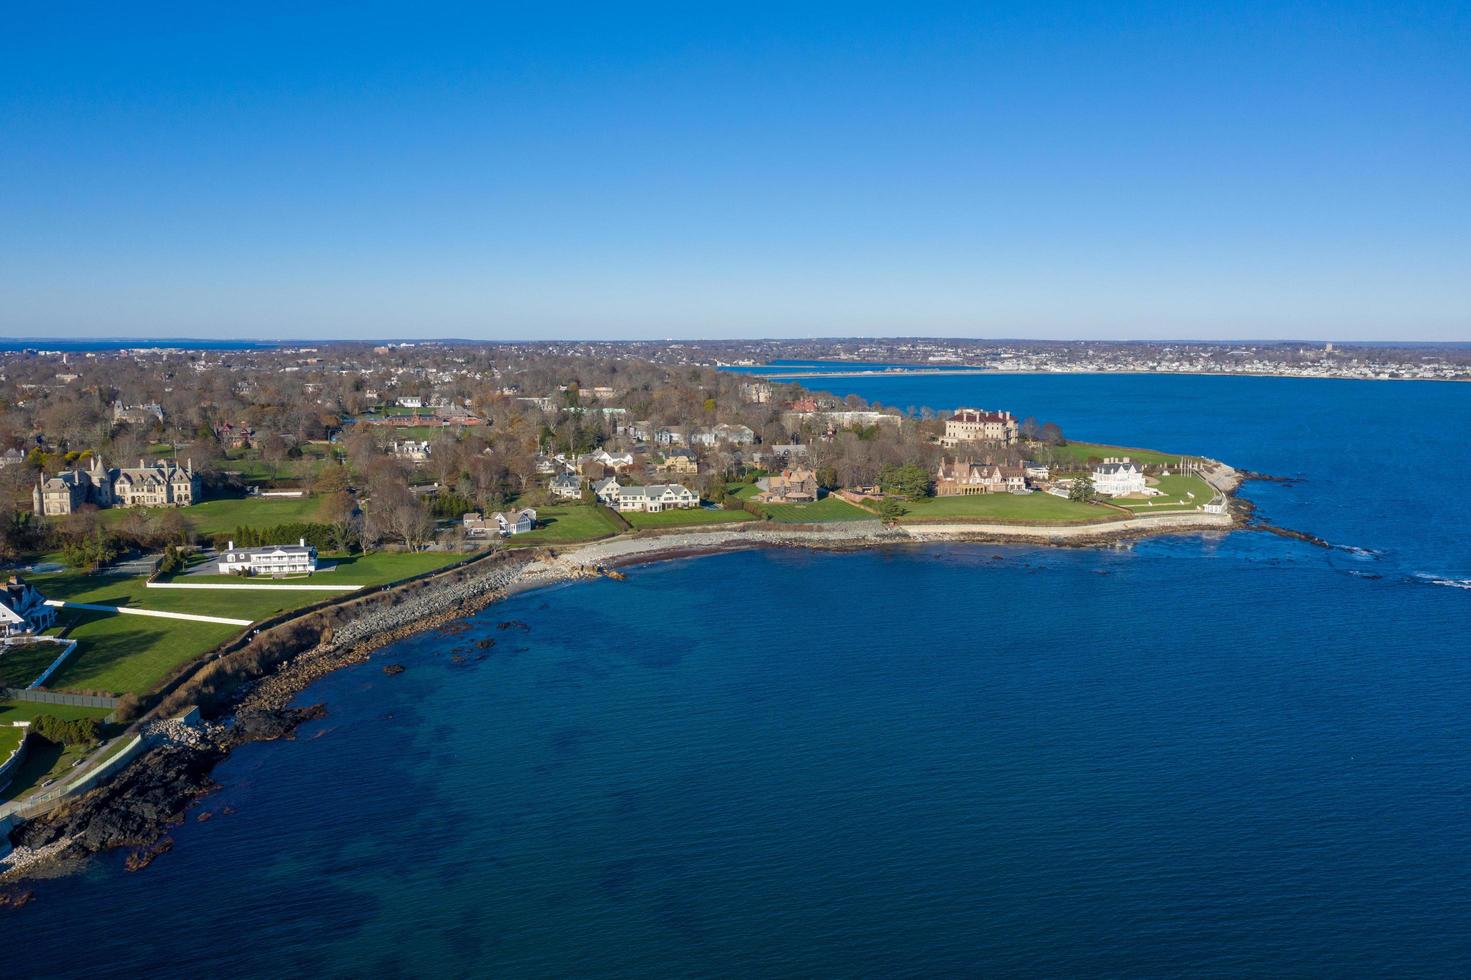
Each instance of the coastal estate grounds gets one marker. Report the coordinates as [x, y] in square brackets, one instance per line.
[131, 654]
[22, 663]
[685, 517]
[829, 509]
[374, 568]
[224, 516]
[1082, 452]
[1007, 508]
[567, 524]
[121, 654]
[1179, 492]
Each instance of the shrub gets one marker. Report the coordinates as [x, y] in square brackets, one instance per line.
[128, 707]
[77, 731]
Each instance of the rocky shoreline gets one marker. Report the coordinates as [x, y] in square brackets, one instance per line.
[137, 808]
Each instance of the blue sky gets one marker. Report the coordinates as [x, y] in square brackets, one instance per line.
[732, 170]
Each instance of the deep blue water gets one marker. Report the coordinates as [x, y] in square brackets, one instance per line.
[113, 344]
[1230, 755]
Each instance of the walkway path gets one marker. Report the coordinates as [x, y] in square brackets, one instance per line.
[157, 613]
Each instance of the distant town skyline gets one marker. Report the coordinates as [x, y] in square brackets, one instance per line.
[1064, 171]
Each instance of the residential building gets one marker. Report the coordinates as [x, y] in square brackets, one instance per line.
[512, 522]
[475, 525]
[414, 450]
[411, 401]
[163, 484]
[976, 425]
[12, 457]
[736, 435]
[651, 499]
[1117, 476]
[275, 560]
[233, 436]
[23, 609]
[789, 452]
[679, 462]
[567, 486]
[665, 436]
[145, 414]
[957, 478]
[614, 461]
[791, 486]
[758, 392]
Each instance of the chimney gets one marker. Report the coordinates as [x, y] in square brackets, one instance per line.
[303, 542]
[230, 545]
[140, 462]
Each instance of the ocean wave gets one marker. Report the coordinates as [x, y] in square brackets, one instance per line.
[1455, 583]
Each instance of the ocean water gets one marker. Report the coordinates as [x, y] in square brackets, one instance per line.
[1226, 755]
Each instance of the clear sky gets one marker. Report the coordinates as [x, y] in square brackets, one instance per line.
[1118, 170]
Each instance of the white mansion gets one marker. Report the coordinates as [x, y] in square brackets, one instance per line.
[1117, 476]
[274, 559]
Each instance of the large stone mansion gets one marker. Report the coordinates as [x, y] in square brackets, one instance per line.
[164, 484]
[976, 425]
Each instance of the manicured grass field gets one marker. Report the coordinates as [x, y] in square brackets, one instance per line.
[566, 524]
[20, 664]
[1177, 489]
[224, 516]
[122, 654]
[31, 710]
[10, 739]
[686, 518]
[370, 569]
[826, 510]
[1006, 508]
[1081, 452]
[45, 760]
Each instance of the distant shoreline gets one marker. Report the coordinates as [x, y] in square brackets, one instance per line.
[997, 373]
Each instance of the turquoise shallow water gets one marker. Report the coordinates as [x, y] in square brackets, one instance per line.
[1228, 755]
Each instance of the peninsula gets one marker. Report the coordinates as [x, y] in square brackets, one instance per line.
[322, 502]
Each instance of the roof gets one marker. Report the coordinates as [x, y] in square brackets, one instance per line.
[271, 549]
[977, 415]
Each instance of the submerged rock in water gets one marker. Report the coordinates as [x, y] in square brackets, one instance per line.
[393, 670]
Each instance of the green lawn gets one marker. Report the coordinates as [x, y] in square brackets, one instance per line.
[123, 654]
[120, 653]
[31, 710]
[21, 664]
[828, 509]
[1177, 489]
[45, 760]
[1006, 508]
[1081, 452]
[119, 590]
[224, 516]
[685, 518]
[370, 569]
[566, 524]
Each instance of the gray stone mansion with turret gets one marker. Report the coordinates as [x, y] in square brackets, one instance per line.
[164, 484]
